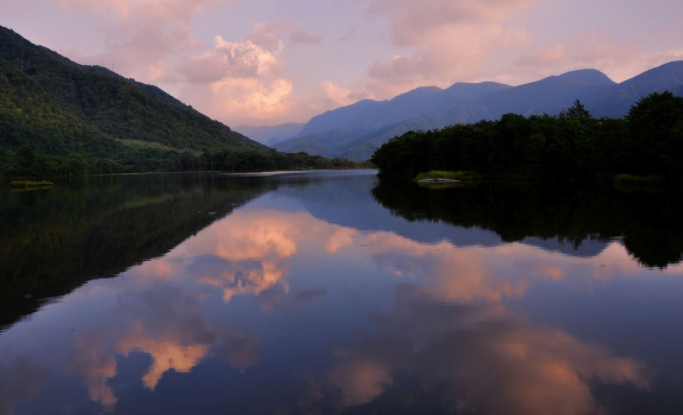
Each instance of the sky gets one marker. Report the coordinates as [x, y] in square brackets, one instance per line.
[266, 62]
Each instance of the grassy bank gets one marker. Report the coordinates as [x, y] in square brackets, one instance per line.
[630, 179]
[448, 175]
[28, 184]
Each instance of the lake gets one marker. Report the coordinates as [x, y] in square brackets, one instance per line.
[338, 293]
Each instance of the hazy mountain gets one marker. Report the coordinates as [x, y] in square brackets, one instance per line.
[271, 135]
[323, 144]
[371, 115]
[361, 143]
[668, 77]
[363, 147]
[550, 95]
[61, 107]
[355, 131]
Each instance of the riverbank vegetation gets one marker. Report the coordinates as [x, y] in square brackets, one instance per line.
[448, 175]
[25, 162]
[574, 145]
[29, 184]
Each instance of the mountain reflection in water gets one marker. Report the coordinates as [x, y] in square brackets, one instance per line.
[304, 295]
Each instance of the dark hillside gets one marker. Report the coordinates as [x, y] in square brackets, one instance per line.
[119, 107]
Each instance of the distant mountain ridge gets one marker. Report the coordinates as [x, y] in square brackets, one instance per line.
[355, 131]
[271, 135]
[371, 115]
[60, 107]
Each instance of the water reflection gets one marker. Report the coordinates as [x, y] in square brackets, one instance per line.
[648, 224]
[53, 241]
[480, 359]
[279, 305]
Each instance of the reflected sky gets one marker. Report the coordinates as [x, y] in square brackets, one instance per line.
[285, 307]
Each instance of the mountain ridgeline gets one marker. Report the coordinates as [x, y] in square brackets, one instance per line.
[357, 130]
[59, 117]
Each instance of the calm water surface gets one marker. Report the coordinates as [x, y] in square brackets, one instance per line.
[333, 293]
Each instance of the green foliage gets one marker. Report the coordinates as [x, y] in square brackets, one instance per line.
[571, 146]
[630, 179]
[656, 135]
[27, 184]
[449, 175]
[115, 106]
[61, 118]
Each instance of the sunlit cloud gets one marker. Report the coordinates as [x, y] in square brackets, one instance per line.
[418, 22]
[451, 41]
[241, 81]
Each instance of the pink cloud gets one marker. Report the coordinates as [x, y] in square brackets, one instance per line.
[338, 95]
[266, 32]
[456, 54]
[11, 7]
[304, 36]
[245, 59]
[416, 22]
[589, 50]
[141, 34]
[544, 57]
[241, 82]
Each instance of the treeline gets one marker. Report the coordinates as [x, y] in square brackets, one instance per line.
[573, 145]
[230, 161]
[26, 162]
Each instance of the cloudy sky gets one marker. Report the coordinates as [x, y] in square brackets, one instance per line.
[265, 62]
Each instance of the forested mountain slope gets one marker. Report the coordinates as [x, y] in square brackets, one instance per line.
[60, 108]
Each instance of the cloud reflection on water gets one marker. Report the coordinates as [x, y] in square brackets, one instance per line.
[491, 361]
[449, 324]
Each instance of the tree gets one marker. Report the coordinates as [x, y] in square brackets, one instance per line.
[576, 111]
[656, 134]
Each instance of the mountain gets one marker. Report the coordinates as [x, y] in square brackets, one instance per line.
[668, 77]
[371, 115]
[355, 131]
[550, 95]
[363, 147]
[271, 135]
[61, 107]
[28, 115]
